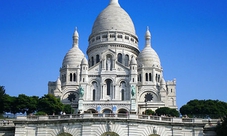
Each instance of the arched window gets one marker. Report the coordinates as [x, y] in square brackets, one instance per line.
[62, 78]
[126, 60]
[146, 76]
[74, 76]
[71, 77]
[97, 58]
[122, 94]
[119, 57]
[93, 94]
[172, 100]
[150, 77]
[92, 61]
[108, 83]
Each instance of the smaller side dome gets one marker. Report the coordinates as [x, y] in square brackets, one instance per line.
[74, 56]
[84, 61]
[148, 57]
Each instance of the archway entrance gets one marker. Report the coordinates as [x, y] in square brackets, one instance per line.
[91, 111]
[122, 113]
[110, 134]
[154, 135]
[107, 111]
[64, 134]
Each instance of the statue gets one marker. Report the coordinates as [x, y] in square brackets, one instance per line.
[133, 91]
[108, 62]
[154, 130]
[81, 92]
[109, 126]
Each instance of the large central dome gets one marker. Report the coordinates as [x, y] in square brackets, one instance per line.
[113, 17]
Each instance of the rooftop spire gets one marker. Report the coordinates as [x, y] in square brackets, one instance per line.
[75, 38]
[114, 2]
[148, 37]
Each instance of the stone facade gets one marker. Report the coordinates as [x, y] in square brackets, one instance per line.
[117, 77]
[96, 125]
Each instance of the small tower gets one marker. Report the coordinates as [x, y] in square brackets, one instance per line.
[133, 71]
[84, 70]
[75, 38]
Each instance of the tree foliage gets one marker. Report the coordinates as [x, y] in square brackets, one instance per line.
[204, 108]
[27, 104]
[68, 109]
[2, 94]
[149, 112]
[167, 111]
[50, 104]
[221, 128]
[10, 104]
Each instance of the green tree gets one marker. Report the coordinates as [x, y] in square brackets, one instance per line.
[167, 111]
[2, 94]
[221, 128]
[27, 104]
[149, 112]
[50, 104]
[33, 104]
[10, 104]
[68, 109]
[204, 108]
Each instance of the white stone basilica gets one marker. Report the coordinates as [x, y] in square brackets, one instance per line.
[117, 77]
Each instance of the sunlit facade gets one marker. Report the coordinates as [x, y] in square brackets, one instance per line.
[115, 77]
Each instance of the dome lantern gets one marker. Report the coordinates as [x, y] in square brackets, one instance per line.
[75, 38]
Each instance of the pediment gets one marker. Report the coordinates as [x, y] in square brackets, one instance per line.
[121, 68]
[95, 69]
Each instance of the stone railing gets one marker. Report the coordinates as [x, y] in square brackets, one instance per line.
[117, 116]
[6, 122]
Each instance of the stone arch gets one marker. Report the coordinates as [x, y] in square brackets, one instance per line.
[64, 97]
[92, 110]
[126, 60]
[109, 62]
[122, 110]
[110, 134]
[97, 58]
[120, 81]
[119, 57]
[93, 90]
[156, 97]
[107, 111]
[64, 134]
[154, 135]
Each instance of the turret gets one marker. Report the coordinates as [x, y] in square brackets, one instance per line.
[75, 38]
[133, 70]
[84, 70]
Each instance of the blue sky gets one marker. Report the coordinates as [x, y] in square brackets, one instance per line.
[190, 37]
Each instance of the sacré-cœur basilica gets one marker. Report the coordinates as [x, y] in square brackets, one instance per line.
[116, 77]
